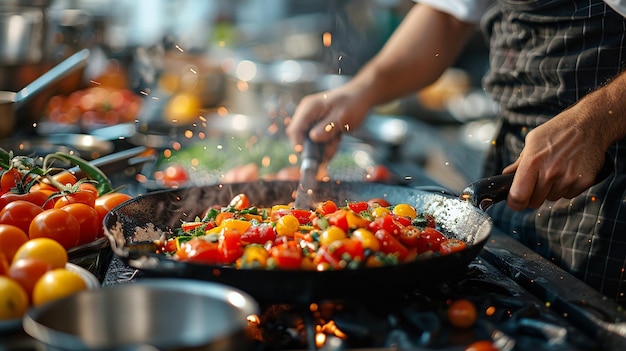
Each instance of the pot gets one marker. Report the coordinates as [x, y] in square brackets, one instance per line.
[10, 101]
[162, 314]
[133, 227]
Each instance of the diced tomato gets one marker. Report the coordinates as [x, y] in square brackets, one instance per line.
[391, 245]
[229, 246]
[338, 254]
[170, 245]
[378, 202]
[339, 219]
[402, 220]
[258, 234]
[199, 250]
[303, 216]
[451, 245]
[190, 226]
[358, 206]
[222, 216]
[287, 255]
[387, 223]
[430, 240]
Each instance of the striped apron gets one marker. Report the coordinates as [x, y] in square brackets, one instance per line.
[544, 56]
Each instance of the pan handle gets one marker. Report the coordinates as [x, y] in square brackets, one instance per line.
[487, 191]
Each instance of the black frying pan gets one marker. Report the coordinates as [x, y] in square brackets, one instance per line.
[134, 225]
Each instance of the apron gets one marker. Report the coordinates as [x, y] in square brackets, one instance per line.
[540, 64]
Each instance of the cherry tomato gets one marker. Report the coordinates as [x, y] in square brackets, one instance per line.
[13, 299]
[11, 239]
[4, 264]
[378, 202]
[56, 224]
[462, 313]
[87, 218]
[45, 249]
[482, 345]
[410, 236]
[27, 271]
[451, 245]
[258, 234]
[358, 206]
[287, 255]
[230, 247]
[9, 179]
[391, 245]
[430, 240]
[387, 223]
[39, 198]
[287, 225]
[367, 239]
[199, 250]
[56, 284]
[107, 202]
[405, 210]
[222, 216]
[326, 207]
[378, 173]
[81, 196]
[240, 202]
[64, 179]
[19, 213]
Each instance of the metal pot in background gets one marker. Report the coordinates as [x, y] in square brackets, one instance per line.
[10, 101]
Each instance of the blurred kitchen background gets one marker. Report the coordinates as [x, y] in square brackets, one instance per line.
[209, 85]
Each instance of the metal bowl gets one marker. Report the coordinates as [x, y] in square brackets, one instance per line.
[163, 314]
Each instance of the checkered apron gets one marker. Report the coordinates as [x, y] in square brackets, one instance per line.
[544, 56]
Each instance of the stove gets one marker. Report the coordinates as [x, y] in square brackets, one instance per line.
[524, 302]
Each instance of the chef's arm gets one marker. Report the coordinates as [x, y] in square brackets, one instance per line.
[425, 44]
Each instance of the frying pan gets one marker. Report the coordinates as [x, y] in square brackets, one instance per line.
[133, 226]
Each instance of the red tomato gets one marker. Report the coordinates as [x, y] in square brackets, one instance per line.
[62, 179]
[107, 202]
[326, 207]
[199, 250]
[230, 246]
[9, 179]
[387, 223]
[82, 196]
[462, 313]
[451, 245]
[87, 218]
[401, 220]
[287, 255]
[240, 202]
[339, 218]
[378, 173]
[39, 198]
[87, 186]
[19, 213]
[430, 240]
[258, 234]
[358, 206]
[11, 238]
[390, 245]
[58, 225]
[378, 202]
[410, 236]
[27, 271]
[482, 345]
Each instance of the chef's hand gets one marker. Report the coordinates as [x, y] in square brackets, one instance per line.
[326, 115]
[560, 159]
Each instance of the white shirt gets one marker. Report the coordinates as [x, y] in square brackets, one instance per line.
[472, 10]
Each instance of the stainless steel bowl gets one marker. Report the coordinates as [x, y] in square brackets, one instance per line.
[162, 314]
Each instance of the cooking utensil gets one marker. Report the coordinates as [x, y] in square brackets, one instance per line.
[161, 314]
[312, 154]
[133, 227]
[10, 101]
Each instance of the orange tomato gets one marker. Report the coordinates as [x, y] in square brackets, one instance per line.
[11, 238]
[45, 249]
[13, 299]
[58, 225]
[56, 284]
[87, 218]
[27, 272]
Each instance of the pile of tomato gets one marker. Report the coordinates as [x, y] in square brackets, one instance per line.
[44, 212]
[356, 234]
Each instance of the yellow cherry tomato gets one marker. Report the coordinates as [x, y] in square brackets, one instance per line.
[56, 284]
[405, 210]
[367, 238]
[380, 212]
[287, 225]
[332, 234]
[13, 299]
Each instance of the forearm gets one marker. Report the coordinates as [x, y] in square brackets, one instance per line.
[602, 113]
[420, 50]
